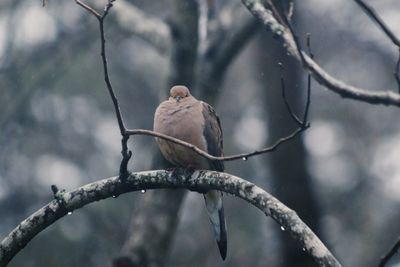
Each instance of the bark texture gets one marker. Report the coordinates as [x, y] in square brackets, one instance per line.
[199, 180]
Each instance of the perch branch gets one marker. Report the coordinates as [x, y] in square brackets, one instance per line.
[319, 74]
[199, 180]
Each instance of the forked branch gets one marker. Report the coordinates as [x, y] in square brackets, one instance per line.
[275, 25]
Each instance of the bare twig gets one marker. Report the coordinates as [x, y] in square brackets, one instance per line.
[289, 109]
[211, 157]
[385, 259]
[305, 117]
[126, 153]
[198, 180]
[370, 11]
[397, 72]
[373, 15]
[303, 123]
[319, 74]
[89, 9]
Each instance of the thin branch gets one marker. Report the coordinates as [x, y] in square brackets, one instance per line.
[385, 259]
[373, 15]
[319, 74]
[211, 157]
[370, 11]
[199, 180]
[305, 116]
[397, 72]
[295, 39]
[89, 9]
[106, 75]
[126, 153]
[283, 87]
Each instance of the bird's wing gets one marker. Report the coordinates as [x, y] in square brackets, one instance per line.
[213, 135]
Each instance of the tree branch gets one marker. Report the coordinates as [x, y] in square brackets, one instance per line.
[397, 72]
[89, 9]
[199, 180]
[138, 23]
[385, 259]
[126, 153]
[371, 13]
[211, 157]
[319, 74]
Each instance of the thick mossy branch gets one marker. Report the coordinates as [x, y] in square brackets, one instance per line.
[193, 180]
[283, 34]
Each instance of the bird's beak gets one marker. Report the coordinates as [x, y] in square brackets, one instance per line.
[178, 98]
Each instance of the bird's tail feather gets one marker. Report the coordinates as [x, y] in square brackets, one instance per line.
[215, 210]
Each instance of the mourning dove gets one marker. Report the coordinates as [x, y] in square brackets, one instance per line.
[184, 117]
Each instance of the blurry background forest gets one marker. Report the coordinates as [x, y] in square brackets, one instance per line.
[57, 126]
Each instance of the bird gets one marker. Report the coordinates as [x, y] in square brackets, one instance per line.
[184, 117]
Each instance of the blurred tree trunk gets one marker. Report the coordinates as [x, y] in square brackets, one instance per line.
[288, 164]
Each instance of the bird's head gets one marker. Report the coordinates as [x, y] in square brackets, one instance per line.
[179, 92]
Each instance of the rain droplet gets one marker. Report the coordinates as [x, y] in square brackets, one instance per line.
[304, 249]
[69, 212]
[143, 191]
[114, 196]
[282, 228]
[244, 158]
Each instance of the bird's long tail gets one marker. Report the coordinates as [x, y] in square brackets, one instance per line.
[215, 210]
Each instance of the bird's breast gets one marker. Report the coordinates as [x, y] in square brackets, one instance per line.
[185, 122]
